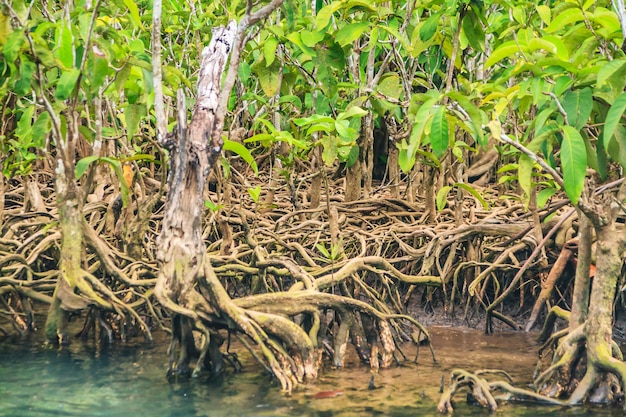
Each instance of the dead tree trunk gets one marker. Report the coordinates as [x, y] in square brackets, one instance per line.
[187, 284]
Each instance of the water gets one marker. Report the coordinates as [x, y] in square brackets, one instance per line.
[83, 380]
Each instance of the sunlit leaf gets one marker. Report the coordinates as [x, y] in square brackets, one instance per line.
[351, 32]
[41, 129]
[544, 195]
[544, 13]
[524, 174]
[269, 50]
[134, 13]
[474, 193]
[390, 85]
[66, 48]
[325, 13]
[353, 111]
[242, 151]
[565, 18]
[503, 51]
[442, 197]
[83, 164]
[609, 69]
[268, 77]
[573, 162]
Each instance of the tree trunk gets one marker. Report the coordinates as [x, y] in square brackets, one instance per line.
[587, 364]
[582, 281]
[65, 298]
[353, 181]
[186, 284]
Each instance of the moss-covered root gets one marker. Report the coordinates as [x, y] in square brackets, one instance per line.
[482, 391]
[479, 386]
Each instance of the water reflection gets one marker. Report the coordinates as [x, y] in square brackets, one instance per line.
[129, 381]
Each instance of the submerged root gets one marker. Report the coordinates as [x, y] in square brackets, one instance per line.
[481, 391]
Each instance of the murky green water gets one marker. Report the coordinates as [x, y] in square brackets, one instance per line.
[129, 381]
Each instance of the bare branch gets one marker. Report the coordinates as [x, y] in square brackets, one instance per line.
[231, 76]
[557, 177]
[159, 108]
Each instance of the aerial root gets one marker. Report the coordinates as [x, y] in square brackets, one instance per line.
[482, 391]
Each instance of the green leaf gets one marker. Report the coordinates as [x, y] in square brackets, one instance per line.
[310, 39]
[544, 195]
[255, 193]
[390, 85]
[66, 48]
[244, 72]
[41, 129]
[134, 13]
[315, 118]
[322, 248]
[578, 105]
[24, 129]
[474, 193]
[617, 146]
[473, 30]
[23, 85]
[323, 16]
[354, 111]
[613, 118]
[609, 69]
[13, 44]
[524, 174]
[475, 114]
[398, 36]
[564, 18]
[66, 83]
[406, 157]
[116, 165]
[351, 156]
[573, 163]
[442, 197]
[501, 52]
[242, 151]
[83, 164]
[133, 115]
[536, 44]
[212, 206]
[269, 77]
[439, 132]
[329, 149]
[351, 32]
[428, 29]
[100, 71]
[544, 13]
[296, 39]
[269, 50]
[342, 127]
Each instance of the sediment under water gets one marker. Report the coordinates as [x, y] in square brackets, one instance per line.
[129, 380]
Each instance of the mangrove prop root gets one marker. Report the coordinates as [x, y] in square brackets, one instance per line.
[482, 390]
